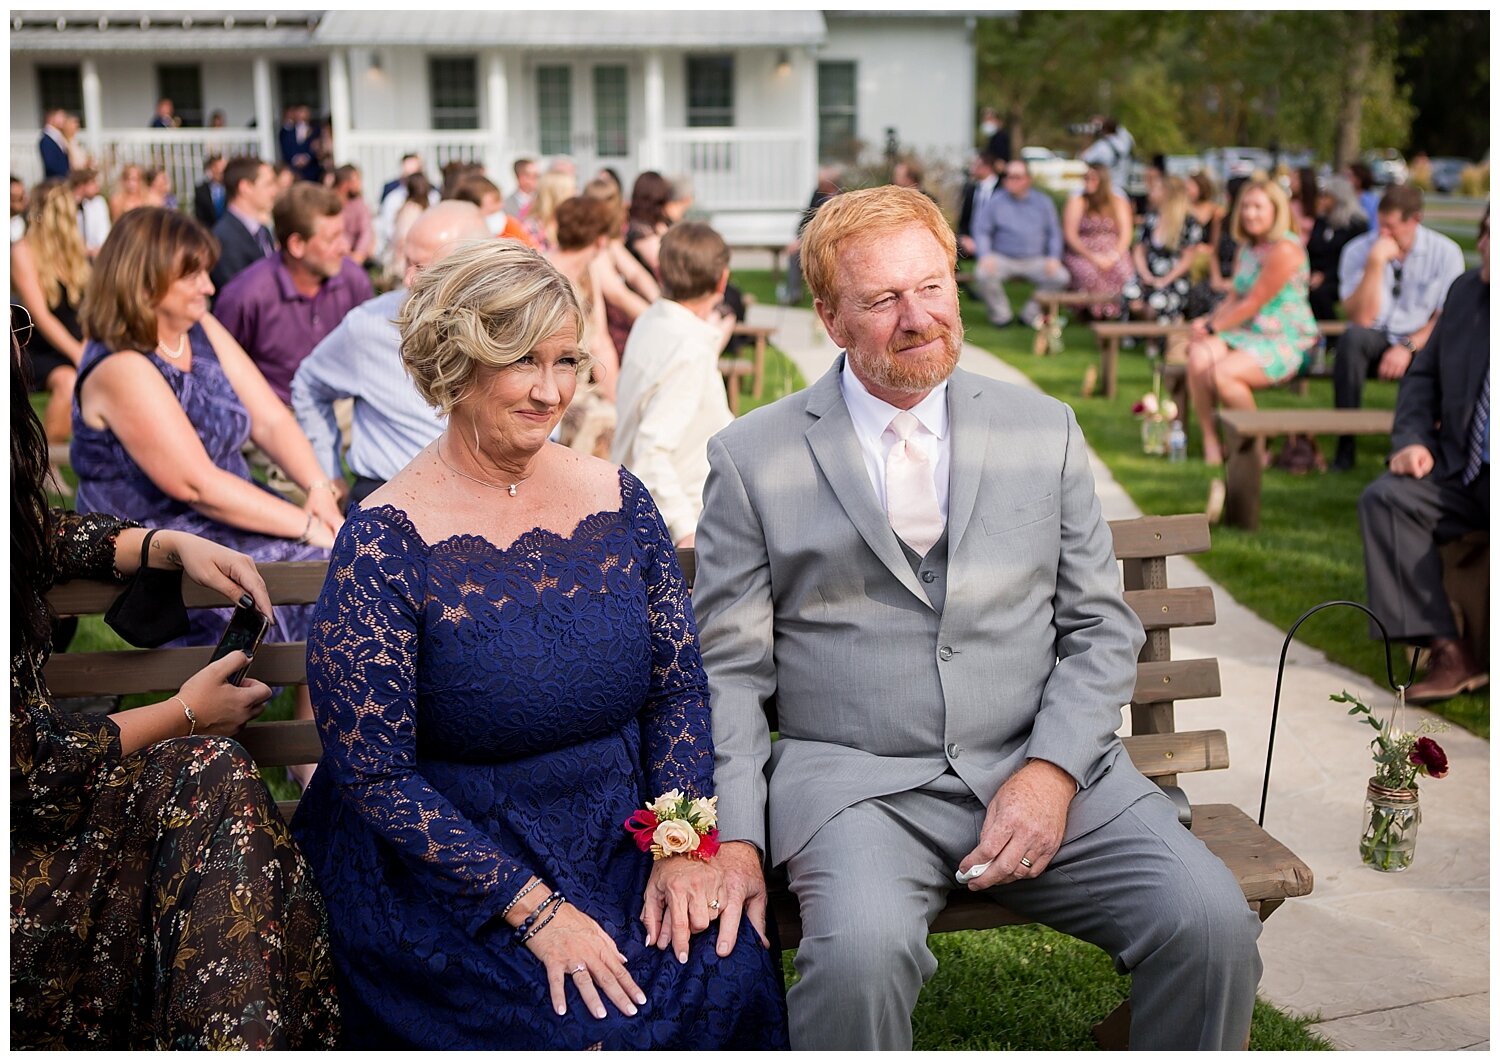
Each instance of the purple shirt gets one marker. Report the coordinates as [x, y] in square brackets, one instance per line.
[278, 325]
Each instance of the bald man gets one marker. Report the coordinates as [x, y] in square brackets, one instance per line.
[361, 359]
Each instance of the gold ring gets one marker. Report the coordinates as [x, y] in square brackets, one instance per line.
[1025, 861]
[713, 904]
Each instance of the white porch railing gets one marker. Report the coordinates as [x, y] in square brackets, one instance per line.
[378, 154]
[180, 151]
[741, 169]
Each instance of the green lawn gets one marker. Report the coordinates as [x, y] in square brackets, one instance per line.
[1308, 547]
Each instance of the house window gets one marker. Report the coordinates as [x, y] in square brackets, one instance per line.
[554, 101]
[182, 83]
[301, 84]
[453, 82]
[611, 112]
[60, 86]
[837, 113]
[710, 81]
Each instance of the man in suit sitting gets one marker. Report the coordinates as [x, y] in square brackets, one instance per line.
[982, 183]
[1438, 485]
[243, 233]
[54, 145]
[913, 562]
[210, 197]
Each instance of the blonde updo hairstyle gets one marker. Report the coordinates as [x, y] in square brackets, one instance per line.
[484, 304]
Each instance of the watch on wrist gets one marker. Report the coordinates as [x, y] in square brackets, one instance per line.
[1405, 341]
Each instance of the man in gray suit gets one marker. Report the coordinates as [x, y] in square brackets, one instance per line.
[912, 562]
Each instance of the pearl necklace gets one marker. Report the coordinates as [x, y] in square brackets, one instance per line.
[511, 489]
[173, 354]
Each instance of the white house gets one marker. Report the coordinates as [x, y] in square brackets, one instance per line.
[745, 103]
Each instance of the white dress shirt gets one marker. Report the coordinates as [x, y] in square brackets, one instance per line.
[93, 221]
[872, 421]
[670, 401]
[1430, 268]
[361, 359]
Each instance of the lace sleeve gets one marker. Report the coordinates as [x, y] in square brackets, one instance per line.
[362, 672]
[83, 545]
[676, 742]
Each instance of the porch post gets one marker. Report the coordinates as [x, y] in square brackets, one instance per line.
[810, 115]
[338, 103]
[93, 108]
[497, 102]
[652, 150]
[265, 118]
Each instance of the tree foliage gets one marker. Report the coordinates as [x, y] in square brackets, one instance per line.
[1183, 81]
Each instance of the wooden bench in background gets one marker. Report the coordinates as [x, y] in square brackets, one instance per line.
[1049, 338]
[1109, 334]
[1267, 871]
[1245, 435]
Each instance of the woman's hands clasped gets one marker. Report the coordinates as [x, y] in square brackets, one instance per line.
[574, 948]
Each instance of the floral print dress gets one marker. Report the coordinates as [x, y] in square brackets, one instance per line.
[156, 899]
[1278, 336]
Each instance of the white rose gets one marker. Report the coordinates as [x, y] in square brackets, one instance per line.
[706, 811]
[666, 804]
[675, 837]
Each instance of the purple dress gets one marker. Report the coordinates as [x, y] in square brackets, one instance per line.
[109, 479]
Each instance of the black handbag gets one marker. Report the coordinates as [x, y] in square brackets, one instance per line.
[149, 612]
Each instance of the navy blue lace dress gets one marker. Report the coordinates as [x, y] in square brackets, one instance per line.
[488, 714]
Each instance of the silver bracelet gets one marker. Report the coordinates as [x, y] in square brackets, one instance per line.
[307, 530]
[188, 711]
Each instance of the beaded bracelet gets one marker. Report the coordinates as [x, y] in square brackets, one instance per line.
[525, 926]
[544, 922]
[521, 895]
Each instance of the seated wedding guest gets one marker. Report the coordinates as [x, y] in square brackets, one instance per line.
[1302, 195]
[628, 286]
[519, 201]
[1338, 221]
[157, 900]
[165, 401]
[671, 396]
[359, 227]
[1165, 254]
[361, 359]
[159, 188]
[281, 307]
[1257, 336]
[485, 194]
[419, 195]
[646, 219]
[505, 667]
[541, 218]
[210, 196]
[1098, 226]
[19, 200]
[93, 210]
[243, 232]
[130, 192]
[1017, 237]
[49, 270]
[583, 228]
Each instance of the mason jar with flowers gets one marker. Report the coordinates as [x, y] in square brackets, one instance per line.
[1156, 415]
[1388, 836]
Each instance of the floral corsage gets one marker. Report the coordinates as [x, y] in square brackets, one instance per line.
[677, 825]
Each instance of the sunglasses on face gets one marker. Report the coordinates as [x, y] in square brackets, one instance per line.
[1396, 268]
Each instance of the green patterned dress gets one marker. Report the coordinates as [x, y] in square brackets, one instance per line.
[1278, 336]
[156, 900]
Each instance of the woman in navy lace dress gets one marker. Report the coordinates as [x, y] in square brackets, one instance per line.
[504, 668]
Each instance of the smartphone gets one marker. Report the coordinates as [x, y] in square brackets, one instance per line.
[246, 627]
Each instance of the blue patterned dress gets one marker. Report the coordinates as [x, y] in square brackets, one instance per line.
[109, 479]
[488, 714]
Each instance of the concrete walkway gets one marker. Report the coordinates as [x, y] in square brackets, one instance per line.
[1389, 961]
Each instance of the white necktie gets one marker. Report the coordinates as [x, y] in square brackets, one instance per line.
[910, 492]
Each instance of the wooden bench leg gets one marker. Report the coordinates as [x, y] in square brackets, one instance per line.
[758, 384]
[1043, 332]
[1109, 365]
[1245, 457]
[1113, 1032]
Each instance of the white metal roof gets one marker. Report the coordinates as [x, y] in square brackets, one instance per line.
[573, 29]
[152, 31]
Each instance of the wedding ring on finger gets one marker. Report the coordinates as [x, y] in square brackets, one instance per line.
[579, 968]
[713, 904]
[1026, 862]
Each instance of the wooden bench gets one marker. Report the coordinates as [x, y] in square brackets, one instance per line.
[761, 334]
[1267, 871]
[1245, 435]
[1049, 338]
[1109, 334]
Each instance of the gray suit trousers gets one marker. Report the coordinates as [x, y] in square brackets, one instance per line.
[1141, 887]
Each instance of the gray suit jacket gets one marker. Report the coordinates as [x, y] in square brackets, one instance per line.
[804, 594]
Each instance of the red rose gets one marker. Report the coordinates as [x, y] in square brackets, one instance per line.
[1429, 757]
[708, 844]
[641, 825]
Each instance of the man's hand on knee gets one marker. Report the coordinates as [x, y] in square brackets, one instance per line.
[1414, 460]
[744, 893]
[1025, 820]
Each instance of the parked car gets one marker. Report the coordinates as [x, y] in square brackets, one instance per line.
[1183, 165]
[1053, 171]
[1446, 171]
[1387, 165]
[1227, 163]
